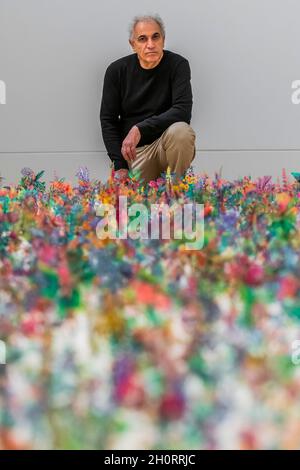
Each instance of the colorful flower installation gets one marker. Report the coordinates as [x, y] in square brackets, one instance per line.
[142, 344]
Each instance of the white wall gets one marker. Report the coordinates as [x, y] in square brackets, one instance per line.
[244, 56]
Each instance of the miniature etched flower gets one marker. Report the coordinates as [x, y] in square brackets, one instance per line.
[26, 171]
[83, 174]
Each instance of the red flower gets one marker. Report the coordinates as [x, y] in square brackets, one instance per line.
[288, 287]
[172, 406]
[243, 269]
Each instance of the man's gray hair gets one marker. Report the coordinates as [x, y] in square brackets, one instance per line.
[137, 19]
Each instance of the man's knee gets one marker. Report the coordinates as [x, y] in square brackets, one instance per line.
[181, 132]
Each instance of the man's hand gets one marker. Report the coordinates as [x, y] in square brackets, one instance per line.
[121, 175]
[129, 144]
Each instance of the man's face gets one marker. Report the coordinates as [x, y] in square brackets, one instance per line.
[148, 43]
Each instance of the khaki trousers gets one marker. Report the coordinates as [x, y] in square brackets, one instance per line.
[174, 148]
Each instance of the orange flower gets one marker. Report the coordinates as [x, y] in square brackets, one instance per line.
[149, 294]
[61, 187]
[249, 187]
[283, 200]
[208, 208]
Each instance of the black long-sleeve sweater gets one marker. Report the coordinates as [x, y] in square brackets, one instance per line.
[151, 99]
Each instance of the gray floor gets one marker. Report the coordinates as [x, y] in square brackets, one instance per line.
[231, 163]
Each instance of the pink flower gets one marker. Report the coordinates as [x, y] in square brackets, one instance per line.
[47, 254]
[254, 275]
[153, 184]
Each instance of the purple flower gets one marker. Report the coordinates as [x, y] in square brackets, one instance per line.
[201, 183]
[229, 220]
[83, 174]
[27, 172]
[263, 183]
